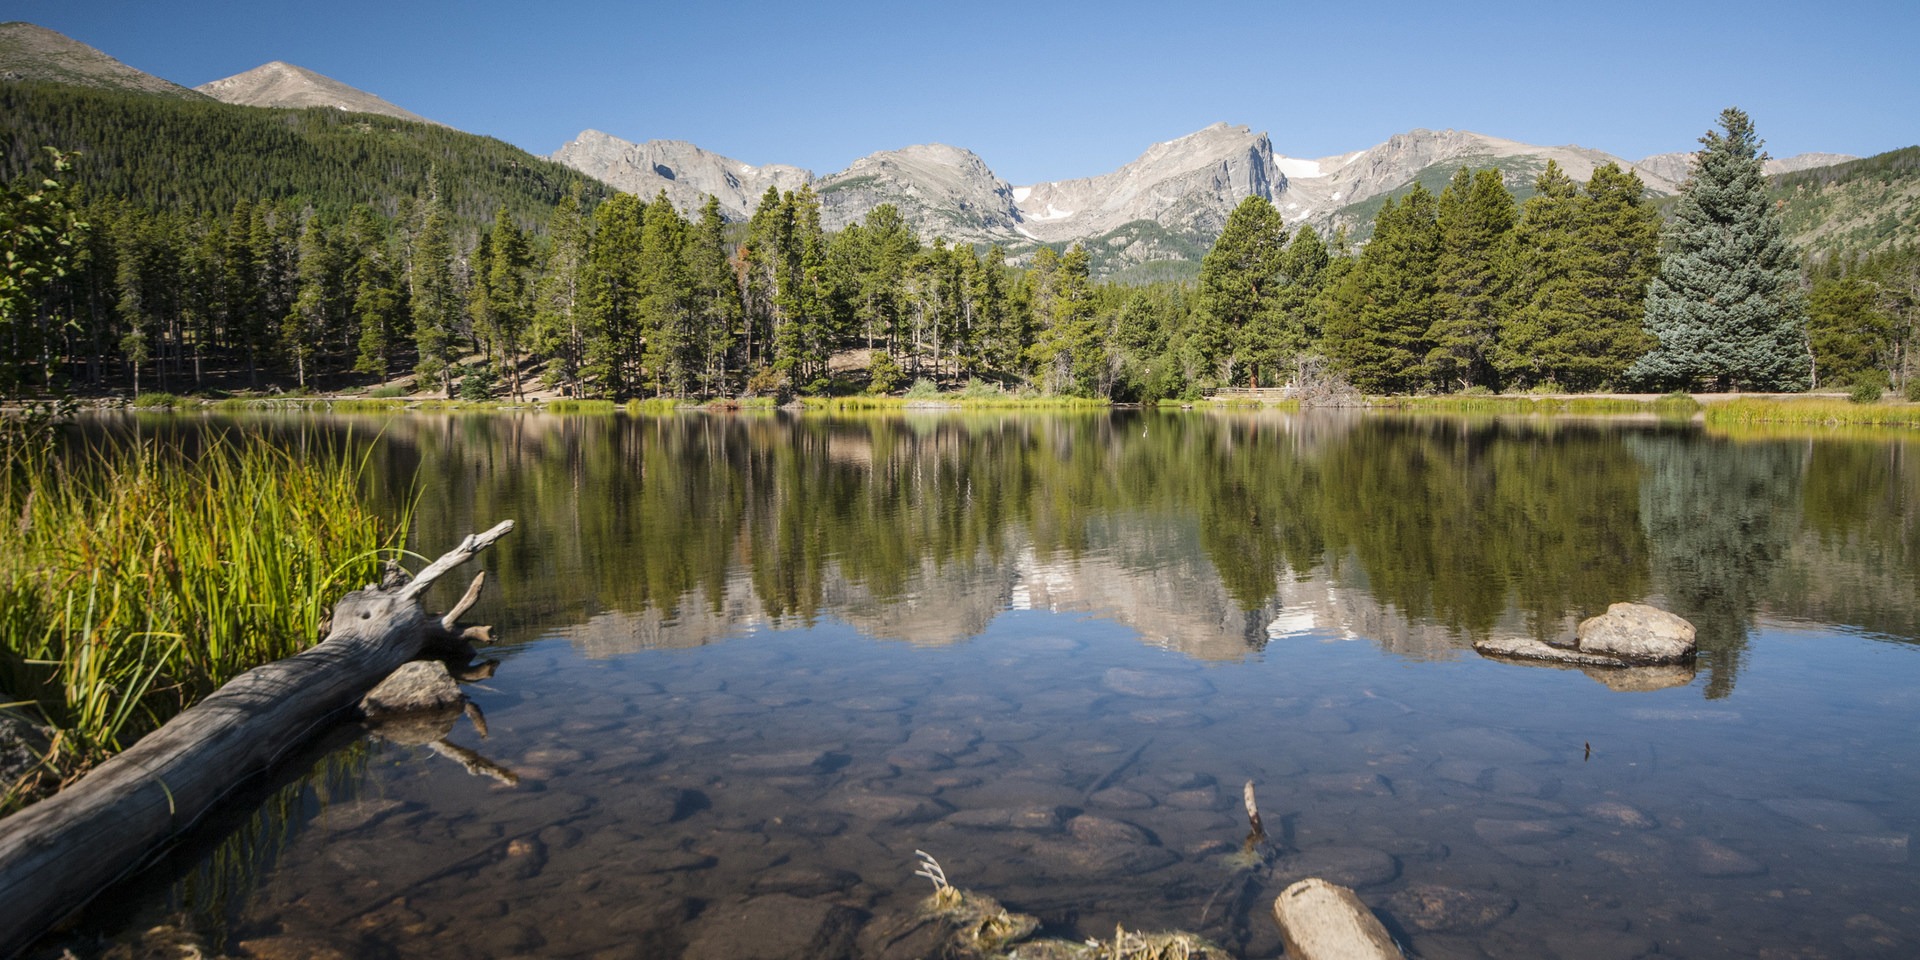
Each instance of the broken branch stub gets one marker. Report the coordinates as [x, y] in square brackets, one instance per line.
[59, 853]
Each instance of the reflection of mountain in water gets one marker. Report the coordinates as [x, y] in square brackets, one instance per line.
[1208, 534]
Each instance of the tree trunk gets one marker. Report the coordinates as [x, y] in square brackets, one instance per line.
[59, 853]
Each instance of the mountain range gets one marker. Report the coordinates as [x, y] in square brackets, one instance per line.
[1161, 210]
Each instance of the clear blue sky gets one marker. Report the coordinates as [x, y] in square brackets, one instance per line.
[1050, 90]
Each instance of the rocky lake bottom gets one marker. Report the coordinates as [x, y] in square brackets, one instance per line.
[765, 796]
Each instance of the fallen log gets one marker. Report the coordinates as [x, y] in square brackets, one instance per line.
[59, 853]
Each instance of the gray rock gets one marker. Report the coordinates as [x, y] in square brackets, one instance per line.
[1637, 633]
[1527, 648]
[1325, 921]
[1433, 908]
[417, 686]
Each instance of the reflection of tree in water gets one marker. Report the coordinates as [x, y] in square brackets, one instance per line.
[1448, 521]
[1721, 517]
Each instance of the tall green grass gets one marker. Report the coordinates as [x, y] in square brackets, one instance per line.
[135, 581]
[1812, 411]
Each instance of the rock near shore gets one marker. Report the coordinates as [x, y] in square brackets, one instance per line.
[1627, 635]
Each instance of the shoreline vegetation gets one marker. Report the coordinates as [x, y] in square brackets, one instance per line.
[135, 580]
[1724, 410]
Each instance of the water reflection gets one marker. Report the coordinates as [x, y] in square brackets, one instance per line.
[1207, 534]
[776, 785]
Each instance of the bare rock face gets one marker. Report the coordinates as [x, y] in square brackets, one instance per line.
[1637, 633]
[687, 173]
[1188, 185]
[940, 190]
[32, 52]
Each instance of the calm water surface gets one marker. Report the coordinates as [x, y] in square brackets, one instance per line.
[751, 664]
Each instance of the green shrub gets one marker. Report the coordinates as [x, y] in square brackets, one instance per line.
[884, 374]
[387, 391]
[1866, 391]
[478, 384]
[157, 401]
[923, 389]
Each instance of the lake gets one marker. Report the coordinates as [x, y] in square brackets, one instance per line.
[751, 664]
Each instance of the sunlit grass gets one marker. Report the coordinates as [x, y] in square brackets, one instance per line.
[1676, 406]
[133, 582]
[1816, 411]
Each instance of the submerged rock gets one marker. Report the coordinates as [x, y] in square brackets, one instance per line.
[1434, 909]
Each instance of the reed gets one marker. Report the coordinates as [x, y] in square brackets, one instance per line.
[135, 581]
[581, 406]
[1813, 412]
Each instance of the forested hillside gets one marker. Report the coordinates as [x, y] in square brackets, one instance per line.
[1853, 209]
[200, 156]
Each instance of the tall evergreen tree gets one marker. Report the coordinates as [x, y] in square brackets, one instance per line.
[1239, 281]
[434, 295]
[557, 329]
[1475, 216]
[1726, 307]
[1582, 263]
[1380, 313]
[509, 301]
[716, 297]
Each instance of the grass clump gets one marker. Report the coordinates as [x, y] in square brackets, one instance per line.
[656, 407]
[581, 406]
[1812, 411]
[135, 581]
[157, 400]
[388, 391]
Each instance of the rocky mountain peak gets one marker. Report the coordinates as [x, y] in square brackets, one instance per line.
[687, 173]
[943, 191]
[1188, 184]
[32, 52]
[283, 85]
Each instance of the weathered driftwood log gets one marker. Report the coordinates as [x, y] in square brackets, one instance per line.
[57, 854]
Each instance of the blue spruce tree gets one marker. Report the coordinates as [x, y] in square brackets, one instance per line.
[1726, 307]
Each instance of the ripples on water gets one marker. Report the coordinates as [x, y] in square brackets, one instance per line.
[755, 664]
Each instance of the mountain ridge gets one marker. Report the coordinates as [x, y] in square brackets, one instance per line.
[32, 52]
[279, 84]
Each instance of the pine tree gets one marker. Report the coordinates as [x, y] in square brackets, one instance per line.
[1305, 272]
[508, 305]
[1582, 263]
[611, 311]
[1380, 312]
[1726, 307]
[1239, 278]
[434, 296]
[716, 297]
[557, 330]
[1475, 216]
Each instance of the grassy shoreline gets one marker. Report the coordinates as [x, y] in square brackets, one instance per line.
[135, 581]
